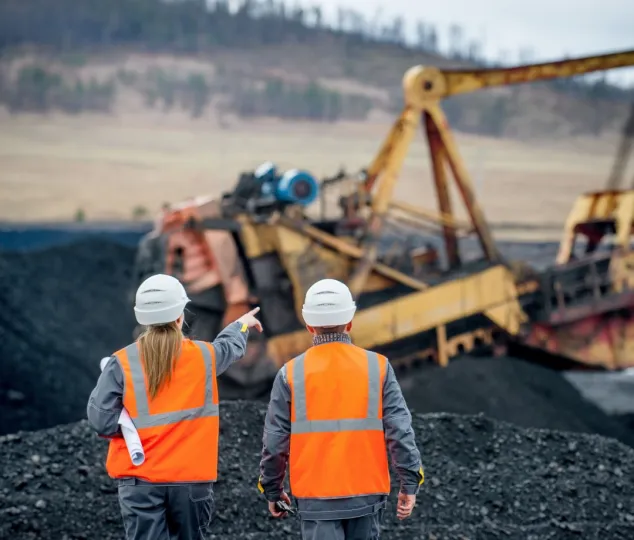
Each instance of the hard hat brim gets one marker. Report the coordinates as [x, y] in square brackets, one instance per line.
[336, 318]
[162, 316]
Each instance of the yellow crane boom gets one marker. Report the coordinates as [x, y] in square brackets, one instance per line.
[438, 84]
[424, 87]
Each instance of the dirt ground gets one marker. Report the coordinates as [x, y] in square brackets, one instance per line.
[50, 167]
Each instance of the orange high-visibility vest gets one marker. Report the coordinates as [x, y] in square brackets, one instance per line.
[179, 427]
[337, 446]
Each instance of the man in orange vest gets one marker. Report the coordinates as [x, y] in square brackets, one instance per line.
[167, 384]
[332, 412]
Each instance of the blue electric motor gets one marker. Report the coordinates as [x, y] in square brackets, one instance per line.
[297, 187]
[294, 186]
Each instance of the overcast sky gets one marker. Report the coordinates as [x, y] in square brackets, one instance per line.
[551, 28]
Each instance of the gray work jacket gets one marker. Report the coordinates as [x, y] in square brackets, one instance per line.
[106, 400]
[399, 437]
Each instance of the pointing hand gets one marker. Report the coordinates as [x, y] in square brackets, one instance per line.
[250, 320]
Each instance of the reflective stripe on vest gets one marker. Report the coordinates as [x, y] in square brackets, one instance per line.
[144, 419]
[372, 421]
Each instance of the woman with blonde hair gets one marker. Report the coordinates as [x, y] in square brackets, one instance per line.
[167, 384]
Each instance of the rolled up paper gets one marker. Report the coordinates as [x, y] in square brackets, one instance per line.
[130, 434]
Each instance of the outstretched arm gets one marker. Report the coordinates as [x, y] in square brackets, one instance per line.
[230, 345]
[399, 434]
[106, 401]
[276, 439]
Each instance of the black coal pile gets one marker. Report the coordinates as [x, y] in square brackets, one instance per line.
[626, 419]
[484, 480]
[511, 390]
[63, 309]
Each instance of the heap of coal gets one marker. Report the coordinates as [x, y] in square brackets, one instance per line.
[66, 307]
[511, 390]
[63, 309]
[484, 479]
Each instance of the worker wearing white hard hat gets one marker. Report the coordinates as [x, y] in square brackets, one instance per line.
[167, 385]
[332, 412]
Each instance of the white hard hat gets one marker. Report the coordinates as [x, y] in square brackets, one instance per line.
[328, 303]
[160, 299]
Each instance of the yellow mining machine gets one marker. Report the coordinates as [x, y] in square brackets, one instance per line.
[258, 245]
[589, 313]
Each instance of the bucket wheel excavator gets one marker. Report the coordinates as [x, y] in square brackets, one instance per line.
[416, 301]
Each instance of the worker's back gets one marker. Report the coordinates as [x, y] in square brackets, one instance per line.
[333, 413]
[337, 440]
[178, 428]
[186, 387]
[167, 385]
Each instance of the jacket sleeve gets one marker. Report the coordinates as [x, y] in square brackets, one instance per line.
[399, 435]
[106, 401]
[276, 439]
[230, 346]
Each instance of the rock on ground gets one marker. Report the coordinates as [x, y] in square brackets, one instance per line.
[63, 309]
[484, 480]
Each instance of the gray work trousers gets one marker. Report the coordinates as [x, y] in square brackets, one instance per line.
[362, 528]
[165, 511]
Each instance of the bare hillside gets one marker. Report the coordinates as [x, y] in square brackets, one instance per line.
[262, 59]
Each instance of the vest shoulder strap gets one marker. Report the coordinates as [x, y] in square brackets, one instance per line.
[144, 418]
[372, 421]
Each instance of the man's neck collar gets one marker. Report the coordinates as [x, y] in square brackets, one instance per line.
[335, 337]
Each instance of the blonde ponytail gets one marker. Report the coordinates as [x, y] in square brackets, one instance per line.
[160, 348]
